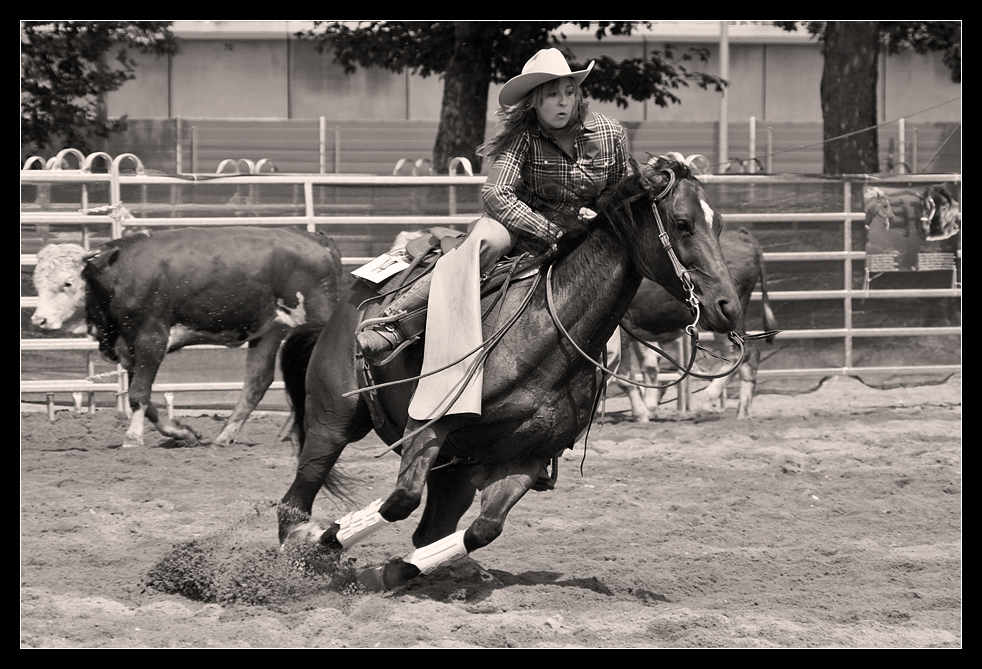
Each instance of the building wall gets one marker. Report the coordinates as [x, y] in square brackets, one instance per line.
[246, 69]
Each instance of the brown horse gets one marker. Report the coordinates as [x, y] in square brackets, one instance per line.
[541, 381]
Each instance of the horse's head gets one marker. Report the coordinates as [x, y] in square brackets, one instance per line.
[663, 217]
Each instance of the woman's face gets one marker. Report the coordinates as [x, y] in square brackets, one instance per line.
[557, 103]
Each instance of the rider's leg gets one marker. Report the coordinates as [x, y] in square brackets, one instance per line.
[494, 240]
[386, 336]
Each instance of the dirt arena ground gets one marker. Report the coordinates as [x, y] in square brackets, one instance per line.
[832, 519]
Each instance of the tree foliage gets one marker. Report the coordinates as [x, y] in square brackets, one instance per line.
[472, 55]
[67, 67]
[898, 36]
[849, 79]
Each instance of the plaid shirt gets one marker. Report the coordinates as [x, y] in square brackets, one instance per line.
[534, 181]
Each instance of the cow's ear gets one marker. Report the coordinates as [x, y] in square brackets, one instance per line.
[103, 260]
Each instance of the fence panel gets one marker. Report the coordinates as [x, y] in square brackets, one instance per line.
[829, 317]
[336, 146]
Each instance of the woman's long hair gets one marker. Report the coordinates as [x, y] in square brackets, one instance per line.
[518, 118]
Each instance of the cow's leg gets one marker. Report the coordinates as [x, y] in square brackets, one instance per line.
[716, 391]
[148, 351]
[260, 368]
[506, 485]
[648, 362]
[134, 433]
[170, 427]
[639, 409]
[716, 394]
[748, 381]
[631, 368]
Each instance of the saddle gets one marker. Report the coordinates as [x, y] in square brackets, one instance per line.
[422, 253]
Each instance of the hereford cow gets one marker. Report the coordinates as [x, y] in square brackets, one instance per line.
[658, 318]
[147, 294]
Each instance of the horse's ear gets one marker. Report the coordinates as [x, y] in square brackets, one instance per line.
[654, 176]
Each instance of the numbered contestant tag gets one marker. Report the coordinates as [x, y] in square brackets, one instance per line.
[381, 268]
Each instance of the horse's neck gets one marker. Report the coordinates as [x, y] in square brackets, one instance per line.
[593, 287]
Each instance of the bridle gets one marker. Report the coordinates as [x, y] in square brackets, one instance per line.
[691, 301]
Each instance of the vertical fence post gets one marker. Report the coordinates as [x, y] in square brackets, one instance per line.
[901, 132]
[913, 153]
[178, 151]
[337, 149]
[684, 389]
[308, 201]
[847, 269]
[322, 143]
[753, 145]
[724, 114]
[770, 150]
[194, 149]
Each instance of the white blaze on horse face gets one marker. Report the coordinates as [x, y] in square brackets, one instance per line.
[708, 211]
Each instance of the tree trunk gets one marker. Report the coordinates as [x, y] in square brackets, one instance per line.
[463, 113]
[852, 50]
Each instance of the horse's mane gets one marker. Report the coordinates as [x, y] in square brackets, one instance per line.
[612, 204]
[645, 180]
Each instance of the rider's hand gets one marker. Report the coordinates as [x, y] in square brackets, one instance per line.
[586, 214]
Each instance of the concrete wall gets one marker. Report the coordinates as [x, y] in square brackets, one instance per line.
[246, 69]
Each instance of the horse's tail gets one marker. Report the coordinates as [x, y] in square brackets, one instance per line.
[770, 321]
[294, 359]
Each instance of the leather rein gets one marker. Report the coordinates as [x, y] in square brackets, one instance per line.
[692, 302]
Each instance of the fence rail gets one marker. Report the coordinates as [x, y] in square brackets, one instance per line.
[305, 184]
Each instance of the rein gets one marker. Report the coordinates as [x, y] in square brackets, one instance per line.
[487, 347]
[692, 302]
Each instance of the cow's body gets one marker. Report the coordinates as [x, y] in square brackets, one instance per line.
[658, 318]
[145, 295]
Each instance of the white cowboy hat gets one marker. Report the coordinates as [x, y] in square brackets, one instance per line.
[546, 65]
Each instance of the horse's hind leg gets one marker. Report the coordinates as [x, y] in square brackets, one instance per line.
[327, 433]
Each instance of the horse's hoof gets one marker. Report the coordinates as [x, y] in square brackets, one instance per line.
[309, 532]
[190, 437]
[389, 576]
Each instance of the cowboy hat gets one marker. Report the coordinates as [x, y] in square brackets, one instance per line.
[546, 65]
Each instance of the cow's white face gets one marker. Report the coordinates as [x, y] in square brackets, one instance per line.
[60, 289]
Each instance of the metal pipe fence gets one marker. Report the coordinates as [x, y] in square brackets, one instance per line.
[325, 146]
[303, 208]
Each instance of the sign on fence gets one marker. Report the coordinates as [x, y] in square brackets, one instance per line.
[909, 230]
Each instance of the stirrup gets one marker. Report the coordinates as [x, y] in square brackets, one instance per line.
[386, 341]
[374, 342]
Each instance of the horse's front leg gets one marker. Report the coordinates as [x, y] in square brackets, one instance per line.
[505, 486]
[418, 456]
[449, 493]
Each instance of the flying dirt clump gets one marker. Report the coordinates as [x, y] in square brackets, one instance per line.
[238, 565]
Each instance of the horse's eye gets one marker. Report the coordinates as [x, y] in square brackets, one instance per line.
[683, 225]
